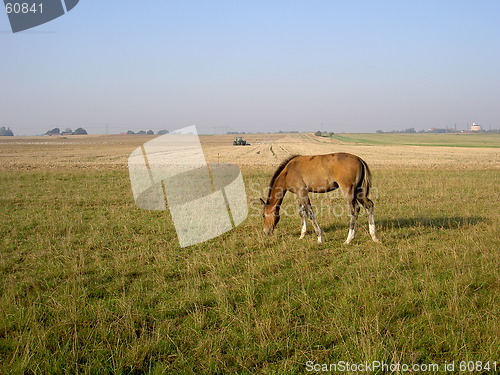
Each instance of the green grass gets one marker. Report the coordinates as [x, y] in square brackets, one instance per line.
[447, 140]
[92, 284]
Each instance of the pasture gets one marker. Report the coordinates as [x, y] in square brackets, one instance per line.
[92, 284]
[427, 139]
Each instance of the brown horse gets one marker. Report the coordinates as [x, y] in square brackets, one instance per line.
[320, 174]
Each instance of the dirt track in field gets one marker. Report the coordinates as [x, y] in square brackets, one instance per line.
[266, 151]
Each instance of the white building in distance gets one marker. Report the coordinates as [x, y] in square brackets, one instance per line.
[475, 127]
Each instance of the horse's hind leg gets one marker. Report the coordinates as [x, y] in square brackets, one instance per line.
[354, 208]
[368, 205]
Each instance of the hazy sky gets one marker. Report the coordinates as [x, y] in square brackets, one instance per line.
[254, 65]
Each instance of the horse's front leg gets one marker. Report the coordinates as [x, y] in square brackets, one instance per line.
[303, 216]
[315, 224]
[307, 212]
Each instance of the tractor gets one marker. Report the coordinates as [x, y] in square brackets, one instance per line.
[239, 141]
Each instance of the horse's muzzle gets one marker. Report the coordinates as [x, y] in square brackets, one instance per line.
[268, 231]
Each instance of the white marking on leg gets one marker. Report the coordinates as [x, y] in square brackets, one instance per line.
[318, 230]
[304, 228]
[350, 236]
[303, 216]
[371, 224]
[315, 224]
[352, 223]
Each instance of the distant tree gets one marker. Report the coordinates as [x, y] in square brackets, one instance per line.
[54, 131]
[161, 132]
[130, 132]
[68, 131]
[150, 132]
[141, 132]
[318, 133]
[6, 132]
[80, 131]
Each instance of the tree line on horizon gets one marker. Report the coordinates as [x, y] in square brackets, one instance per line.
[6, 132]
[67, 131]
[433, 130]
[319, 133]
[149, 132]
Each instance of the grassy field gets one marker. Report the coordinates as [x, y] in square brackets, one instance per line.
[427, 139]
[92, 284]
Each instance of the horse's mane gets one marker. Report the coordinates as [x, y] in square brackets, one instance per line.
[277, 173]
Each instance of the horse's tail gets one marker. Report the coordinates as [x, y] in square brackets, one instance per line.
[365, 181]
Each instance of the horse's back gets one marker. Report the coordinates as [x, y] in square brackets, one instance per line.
[322, 173]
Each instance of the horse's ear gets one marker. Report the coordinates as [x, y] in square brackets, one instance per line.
[262, 201]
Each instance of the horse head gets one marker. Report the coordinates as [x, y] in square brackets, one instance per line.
[271, 217]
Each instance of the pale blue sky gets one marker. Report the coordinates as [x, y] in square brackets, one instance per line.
[254, 66]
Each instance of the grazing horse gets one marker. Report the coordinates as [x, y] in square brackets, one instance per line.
[320, 174]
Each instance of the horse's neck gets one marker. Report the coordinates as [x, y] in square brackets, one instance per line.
[277, 193]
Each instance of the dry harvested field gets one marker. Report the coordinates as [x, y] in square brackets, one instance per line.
[111, 152]
[91, 284]
[269, 150]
